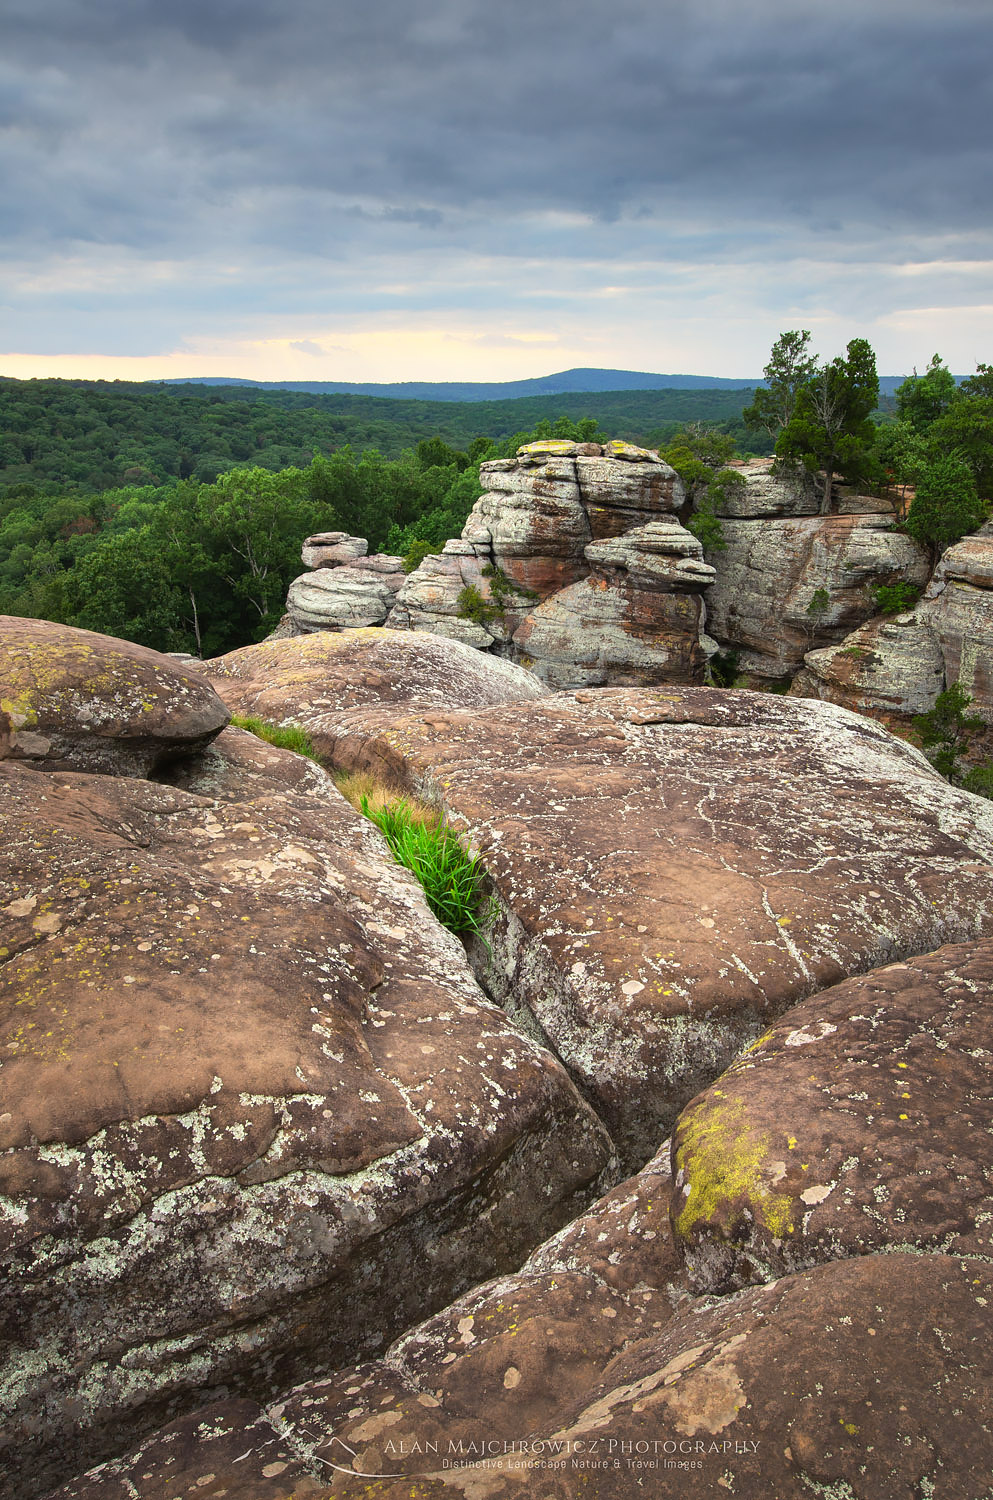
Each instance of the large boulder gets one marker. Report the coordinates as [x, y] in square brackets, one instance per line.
[327, 681]
[257, 1114]
[675, 867]
[334, 598]
[771, 570]
[890, 668]
[861, 1121]
[895, 668]
[75, 699]
[637, 619]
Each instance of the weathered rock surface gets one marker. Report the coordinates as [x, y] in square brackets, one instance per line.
[329, 681]
[890, 668]
[506, 1357]
[86, 701]
[771, 569]
[763, 493]
[675, 868]
[334, 598]
[430, 599]
[331, 549]
[538, 514]
[866, 1378]
[227, 1449]
[861, 1121]
[895, 668]
[637, 619]
[257, 1114]
[959, 607]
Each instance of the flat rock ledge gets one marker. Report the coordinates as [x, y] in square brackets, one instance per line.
[675, 867]
[852, 1142]
[257, 1117]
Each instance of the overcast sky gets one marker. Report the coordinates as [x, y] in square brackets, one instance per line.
[489, 189]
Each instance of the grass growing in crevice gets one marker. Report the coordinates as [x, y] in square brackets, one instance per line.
[283, 736]
[421, 841]
[359, 786]
[452, 878]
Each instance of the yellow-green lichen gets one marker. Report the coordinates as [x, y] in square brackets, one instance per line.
[728, 1165]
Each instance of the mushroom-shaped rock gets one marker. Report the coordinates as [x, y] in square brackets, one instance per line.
[331, 549]
[77, 699]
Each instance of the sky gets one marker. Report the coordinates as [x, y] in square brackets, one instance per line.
[380, 190]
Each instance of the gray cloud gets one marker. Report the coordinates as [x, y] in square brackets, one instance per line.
[258, 134]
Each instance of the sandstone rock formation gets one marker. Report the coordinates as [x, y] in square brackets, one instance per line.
[329, 680]
[345, 586]
[676, 866]
[260, 1121]
[637, 618]
[764, 493]
[577, 530]
[75, 699]
[897, 667]
[772, 567]
[817, 1168]
[257, 1114]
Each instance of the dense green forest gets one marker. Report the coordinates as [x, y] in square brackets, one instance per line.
[173, 516]
[97, 435]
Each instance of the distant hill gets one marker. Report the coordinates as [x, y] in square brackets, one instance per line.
[565, 382]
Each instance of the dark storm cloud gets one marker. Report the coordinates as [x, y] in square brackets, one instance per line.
[411, 152]
[133, 122]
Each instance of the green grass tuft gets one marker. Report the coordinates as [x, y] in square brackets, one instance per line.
[452, 878]
[283, 736]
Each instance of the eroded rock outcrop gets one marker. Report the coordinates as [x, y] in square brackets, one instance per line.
[638, 618]
[676, 866]
[345, 587]
[772, 568]
[78, 700]
[580, 567]
[894, 668]
[257, 1113]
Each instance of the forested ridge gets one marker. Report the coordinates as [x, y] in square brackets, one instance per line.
[95, 435]
[173, 516]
